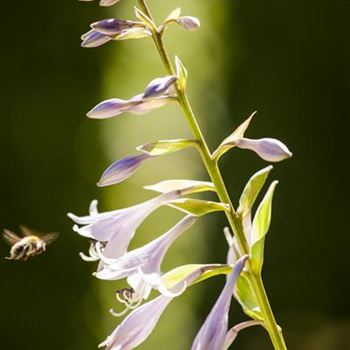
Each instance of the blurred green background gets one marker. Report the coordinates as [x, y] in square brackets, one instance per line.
[287, 59]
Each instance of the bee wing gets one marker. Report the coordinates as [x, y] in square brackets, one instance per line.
[26, 231]
[10, 237]
[49, 237]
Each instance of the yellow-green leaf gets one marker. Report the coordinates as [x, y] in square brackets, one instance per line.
[162, 147]
[144, 18]
[185, 186]
[178, 274]
[252, 190]
[197, 207]
[229, 142]
[181, 73]
[260, 227]
[245, 296]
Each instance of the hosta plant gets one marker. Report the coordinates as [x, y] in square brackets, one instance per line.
[111, 232]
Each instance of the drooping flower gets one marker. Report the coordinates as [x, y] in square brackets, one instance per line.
[212, 334]
[115, 229]
[142, 265]
[148, 258]
[157, 94]
[139, 324]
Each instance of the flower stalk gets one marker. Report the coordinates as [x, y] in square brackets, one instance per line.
[214, 173]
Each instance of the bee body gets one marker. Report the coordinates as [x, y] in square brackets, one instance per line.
[30, 245]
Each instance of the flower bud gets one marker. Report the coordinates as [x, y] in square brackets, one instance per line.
[189, 22]
[111, 108]
[159, 86]
[94, 39]
[121, 169]
[112, 26]
[269, 149]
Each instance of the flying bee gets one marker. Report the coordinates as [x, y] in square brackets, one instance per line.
[29, 244]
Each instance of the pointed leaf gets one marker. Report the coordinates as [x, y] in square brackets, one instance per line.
[162, 147]
[185, 186]
[197, 207]
[174, 276]
[174, 15]
[229, 142]
[245, 296]
[144, 18]
[181, 73]
[252, 190]
[261, 224]
[133, 33]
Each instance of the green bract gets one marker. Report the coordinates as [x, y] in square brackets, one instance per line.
[174, 276]
[181, 73]
[245, 295]
[198, 207]
[229, 142]
[161, 147]
[261, 224]
[252, 190]
[185, 186]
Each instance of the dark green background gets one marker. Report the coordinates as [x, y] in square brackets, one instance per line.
[287, 59]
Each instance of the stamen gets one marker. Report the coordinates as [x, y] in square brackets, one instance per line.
[129, 298]
[95, 248]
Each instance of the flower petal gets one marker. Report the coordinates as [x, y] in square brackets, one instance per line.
[148, 258]
[137, 326]
[118, 227]
[108, 2]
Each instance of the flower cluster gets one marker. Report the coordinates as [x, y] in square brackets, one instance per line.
[111, 233]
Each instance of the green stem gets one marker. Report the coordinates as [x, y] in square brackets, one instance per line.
[216, 177]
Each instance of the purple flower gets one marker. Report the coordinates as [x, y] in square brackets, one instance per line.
[269, 149]
[138, 263]
[139, 324]
[156, 94]
[122, 169]
[212, 334]
[115, 229]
